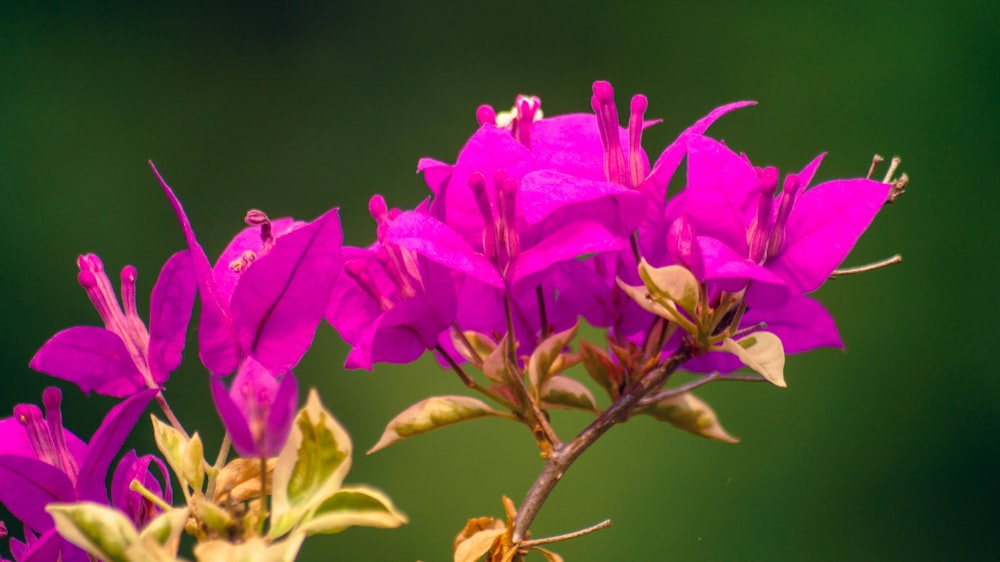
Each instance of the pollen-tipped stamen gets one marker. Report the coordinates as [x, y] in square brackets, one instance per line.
[485, 114]
[257, 217]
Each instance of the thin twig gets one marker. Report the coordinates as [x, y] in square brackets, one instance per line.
[685, 388]
[176, 423]
[866, 268]
[466, 379]
[548, 540]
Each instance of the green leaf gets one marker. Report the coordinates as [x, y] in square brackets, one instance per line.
[690, 413]
[762, 352]
[313, 463]
[172, 444]
[548, 358]
[354, 506]
[433, 413]
[564, 392]
[98, 529]
[672, 283]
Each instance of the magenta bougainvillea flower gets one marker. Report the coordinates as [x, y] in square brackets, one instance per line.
[123, 357]
[392, 304]
[257, 410]
[598, 142]
[801, 236]
[266, 295]
[42, 463]
[133, 467]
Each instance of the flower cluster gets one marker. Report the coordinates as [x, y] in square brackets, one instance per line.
[540, 223]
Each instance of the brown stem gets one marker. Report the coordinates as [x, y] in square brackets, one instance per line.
[564, 455]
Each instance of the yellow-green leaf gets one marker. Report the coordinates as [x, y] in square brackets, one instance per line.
[481, 346]
[762, 352]
[564, 392]
[313, 462]
[495, 364]
[672, 283]
[433, 413]
[601, 368]
[354, 506]
[100, 530]
[165, 531]
[547, 359]
[172, 444]
[642, 297]
[193, 462]
[252, 550]
[690, 413]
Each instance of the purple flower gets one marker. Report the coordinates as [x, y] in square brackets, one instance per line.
[133, 467]
[801, 236]
[596, 144]
[267, 293]
[258, 409]
[123, 357]
[42, 463]
[392, 303]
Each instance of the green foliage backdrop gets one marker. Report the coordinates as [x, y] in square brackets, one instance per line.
[887, 452]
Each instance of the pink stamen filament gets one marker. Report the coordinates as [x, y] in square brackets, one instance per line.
[395, 269]
[358, 271]
[508, 242]
[789, 195]
[603, 103]
[760, 229]
[52, 400]
[136, 329]
[636, 166]
[477, 183]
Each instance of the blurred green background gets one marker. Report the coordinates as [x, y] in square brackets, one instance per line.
[887, 452]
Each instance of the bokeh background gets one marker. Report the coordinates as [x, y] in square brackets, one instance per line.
[886, 452]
